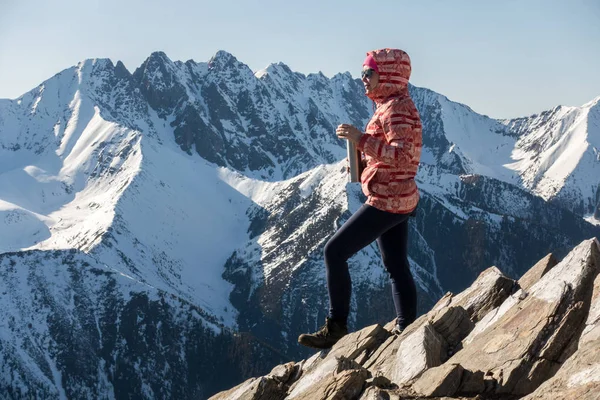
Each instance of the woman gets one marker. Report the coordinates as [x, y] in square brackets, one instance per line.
[392, 149]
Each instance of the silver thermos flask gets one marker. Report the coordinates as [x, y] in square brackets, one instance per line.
[354, 159]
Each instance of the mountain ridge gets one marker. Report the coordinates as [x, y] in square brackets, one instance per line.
[219, 188]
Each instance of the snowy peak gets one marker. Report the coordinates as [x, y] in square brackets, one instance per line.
[342, 76]
[276, 69]
[94, 65]
[593, 121]
[556, 155]
[280, 80]
[317, 77]
[230, 75]
[121, 71]
[157, 62]
[592, 103]
[223, 60]
[158, 81]
[157, 71]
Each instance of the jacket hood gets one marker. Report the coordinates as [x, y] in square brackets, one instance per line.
[394, 72]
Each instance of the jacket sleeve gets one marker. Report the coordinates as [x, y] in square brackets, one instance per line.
[400, 130]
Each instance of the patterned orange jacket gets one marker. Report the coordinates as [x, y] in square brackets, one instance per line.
[393, 139]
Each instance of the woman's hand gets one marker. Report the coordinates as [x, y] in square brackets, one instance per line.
[346, 131]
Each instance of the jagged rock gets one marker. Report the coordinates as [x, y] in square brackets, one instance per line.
[375, 393]
[263, 388]
[379, 381]
[490, 288]
[516, 344]
[418, 352]
[356, 346]
[306, 365]
[453, 325]
[363, 357]
[488, 291]
[548, 361]
[347, 384]
[356, 343]
[444, 380]
[591, 331]
[563, 333]
[322, 375]
[491, 317]
[476, 382]
[283, 373]
[537, 272]
[386, 351]
[579, 376]
[303, 367]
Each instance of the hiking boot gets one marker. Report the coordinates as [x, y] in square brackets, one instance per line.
[326, 337]
[397, 330]
[399, 327]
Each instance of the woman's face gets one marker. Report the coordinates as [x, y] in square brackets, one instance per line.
[370, 78]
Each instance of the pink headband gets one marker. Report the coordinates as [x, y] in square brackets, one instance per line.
[370, 62]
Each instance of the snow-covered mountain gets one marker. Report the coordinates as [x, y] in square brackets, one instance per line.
[160, 227]
[557, 156]
[554, 155]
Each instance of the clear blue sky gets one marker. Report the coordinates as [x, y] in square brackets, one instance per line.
[502, 58]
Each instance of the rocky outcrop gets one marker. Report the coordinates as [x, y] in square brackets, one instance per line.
[538, 338]
[579, 376]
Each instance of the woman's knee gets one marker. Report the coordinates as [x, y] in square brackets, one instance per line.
[393, 260]
[333, 251]
[329, 251]
[397, 267]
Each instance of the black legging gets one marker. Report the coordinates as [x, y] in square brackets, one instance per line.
[391, 232]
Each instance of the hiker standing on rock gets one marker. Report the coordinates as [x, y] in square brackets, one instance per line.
[392, 148]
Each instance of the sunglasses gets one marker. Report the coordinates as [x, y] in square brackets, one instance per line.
[367, 73]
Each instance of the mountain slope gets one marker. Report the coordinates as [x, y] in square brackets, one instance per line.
[73, 327]
[557, 156]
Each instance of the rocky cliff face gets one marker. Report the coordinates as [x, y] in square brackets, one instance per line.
[535, 338]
